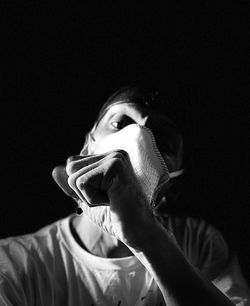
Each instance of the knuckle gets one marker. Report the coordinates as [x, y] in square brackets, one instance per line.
[73, 158]
[70, 168]
[80, 182]
[117, 163]
[72, 164]
[121, 153]
[70, 159]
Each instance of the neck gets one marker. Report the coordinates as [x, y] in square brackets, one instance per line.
[94, 240]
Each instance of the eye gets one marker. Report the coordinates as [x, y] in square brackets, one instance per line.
[117, 125]
[120, 121]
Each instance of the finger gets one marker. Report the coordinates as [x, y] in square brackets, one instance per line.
[79, 168]
[93, 185]
[72, 178]
[75, 163]
[61, 178]
[73, 158]
[90, 188]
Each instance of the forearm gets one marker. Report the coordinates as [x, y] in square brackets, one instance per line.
[177, 279]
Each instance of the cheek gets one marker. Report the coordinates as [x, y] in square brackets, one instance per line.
[101, 132]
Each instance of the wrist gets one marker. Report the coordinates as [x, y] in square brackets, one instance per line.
[151, 235]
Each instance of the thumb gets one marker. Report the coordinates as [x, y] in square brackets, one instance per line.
[60, 176]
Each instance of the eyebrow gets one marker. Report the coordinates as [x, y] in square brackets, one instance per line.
[111, 116]
[120, 112]
[114, 113]
[101, 115]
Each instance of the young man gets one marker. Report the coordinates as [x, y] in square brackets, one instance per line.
[122, 250]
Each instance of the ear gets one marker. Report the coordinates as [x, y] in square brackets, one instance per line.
[60, 176]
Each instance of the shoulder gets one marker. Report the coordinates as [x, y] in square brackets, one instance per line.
[20, 254]
[201, 242]
[26, 263]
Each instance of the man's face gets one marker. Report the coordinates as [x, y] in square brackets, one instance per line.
[121, 115]
[118, 117]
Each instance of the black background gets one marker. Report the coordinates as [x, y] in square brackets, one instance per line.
[60, 61]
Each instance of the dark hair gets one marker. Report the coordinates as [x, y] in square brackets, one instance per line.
[142, 95]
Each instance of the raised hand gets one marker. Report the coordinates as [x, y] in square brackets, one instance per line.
[109, 193]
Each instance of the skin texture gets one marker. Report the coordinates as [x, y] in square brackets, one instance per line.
[127, 224]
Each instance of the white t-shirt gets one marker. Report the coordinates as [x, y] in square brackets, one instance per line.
[50, 268]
